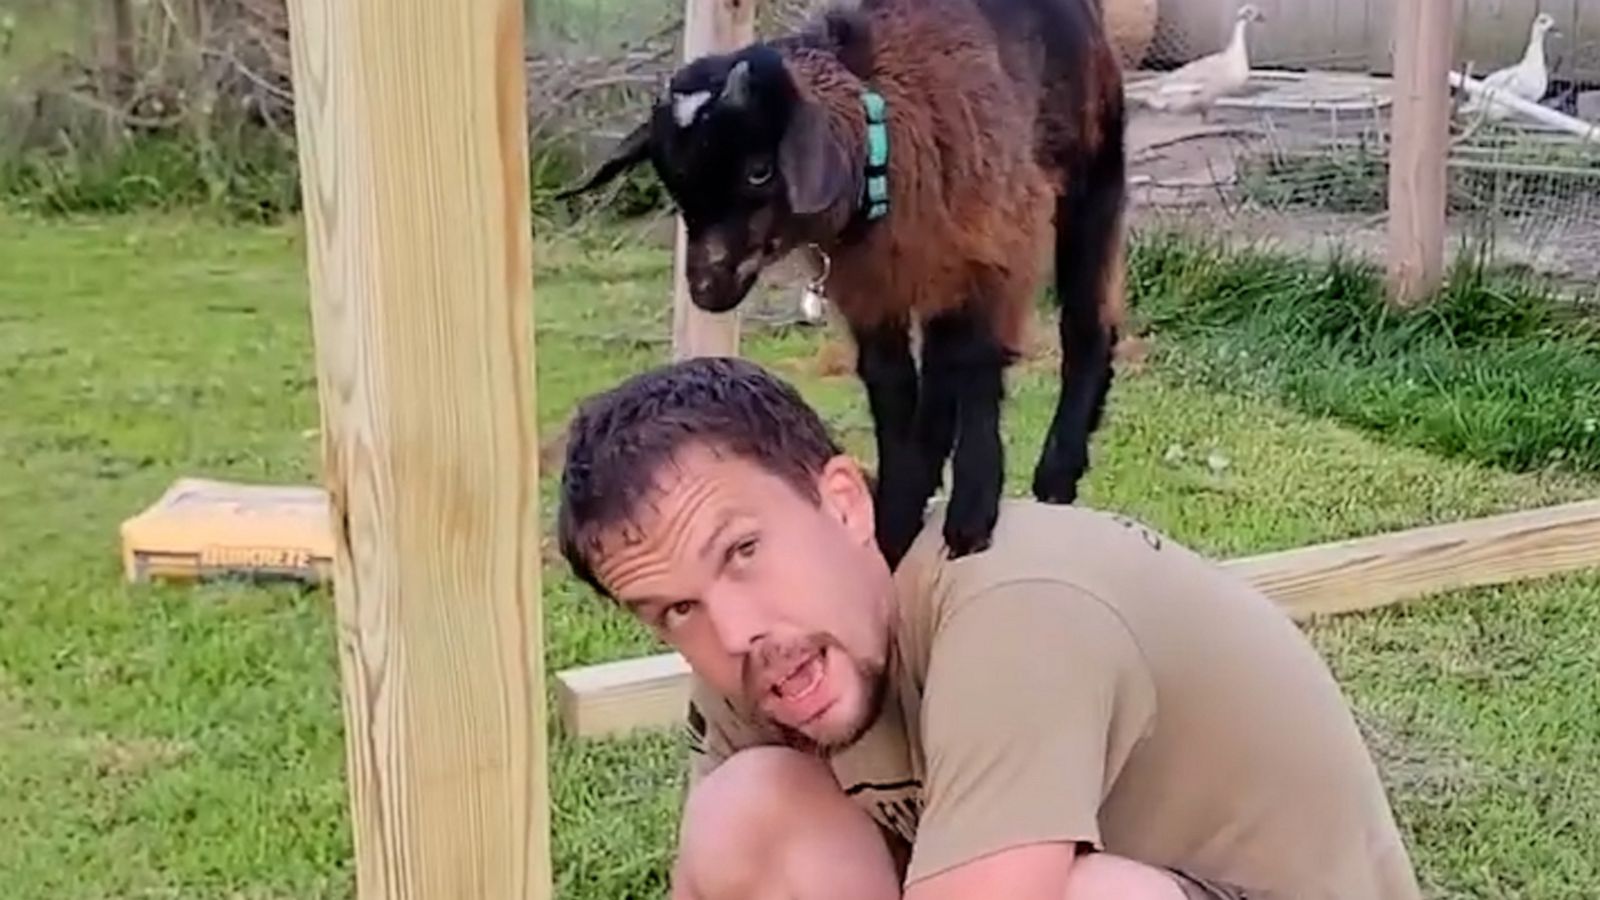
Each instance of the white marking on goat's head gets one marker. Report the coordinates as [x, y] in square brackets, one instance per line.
[749, 267]
[716, 250]
[686, 106]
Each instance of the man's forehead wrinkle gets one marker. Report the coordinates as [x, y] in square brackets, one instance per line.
[656, 543]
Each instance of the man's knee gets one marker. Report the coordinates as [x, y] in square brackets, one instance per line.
[753, 795]
[768, 813]
[1098, 875]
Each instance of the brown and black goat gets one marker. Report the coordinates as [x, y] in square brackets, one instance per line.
[1004, 124]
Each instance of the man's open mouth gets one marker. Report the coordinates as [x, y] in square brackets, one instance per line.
[800, 682]
[798, 697]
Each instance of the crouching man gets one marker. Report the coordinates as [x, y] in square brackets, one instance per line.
[1085, 710]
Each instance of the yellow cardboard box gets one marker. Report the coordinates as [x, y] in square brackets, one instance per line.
[204, 530]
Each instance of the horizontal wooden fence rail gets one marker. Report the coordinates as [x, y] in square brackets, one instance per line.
[1364, 573]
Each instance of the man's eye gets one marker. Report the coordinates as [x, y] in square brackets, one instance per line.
[676, 612]
[744, 549]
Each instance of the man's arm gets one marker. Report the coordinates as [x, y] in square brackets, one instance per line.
[1036, 695]
[1027, 872]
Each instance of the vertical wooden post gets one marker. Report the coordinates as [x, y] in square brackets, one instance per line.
[124, 50]
[709, 26]
[413, 149]
[1417, 155]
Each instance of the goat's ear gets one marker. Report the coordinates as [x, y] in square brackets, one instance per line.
[815, 165]
[629, 152]
[851, 39]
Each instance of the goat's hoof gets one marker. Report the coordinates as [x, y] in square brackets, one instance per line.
[965, 543]
[969, 531]
[1046, 493]
[894, 549]
[1057, 483]
[895, 537]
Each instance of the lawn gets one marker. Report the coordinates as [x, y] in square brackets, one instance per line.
[162, 742]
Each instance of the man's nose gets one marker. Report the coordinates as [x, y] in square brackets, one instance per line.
[738, 620]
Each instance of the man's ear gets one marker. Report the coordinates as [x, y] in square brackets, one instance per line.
[816, 166]
[629, 152]
[847, 493]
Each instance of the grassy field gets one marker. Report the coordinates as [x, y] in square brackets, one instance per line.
[163, 742]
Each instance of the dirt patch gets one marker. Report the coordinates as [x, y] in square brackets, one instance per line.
[1414, 760]
[131, 758]
[104, 755]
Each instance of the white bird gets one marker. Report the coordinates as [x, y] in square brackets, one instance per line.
[1528, 79]
[1198, 84]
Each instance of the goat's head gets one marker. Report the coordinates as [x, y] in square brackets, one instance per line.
[754, 166]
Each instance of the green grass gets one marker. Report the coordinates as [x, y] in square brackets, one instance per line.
[1494, 371]
[166, 742]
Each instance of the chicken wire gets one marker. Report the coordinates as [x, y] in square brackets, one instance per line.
[1296, 152]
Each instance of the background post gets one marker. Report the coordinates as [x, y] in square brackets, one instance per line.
[1421, 134]
[412, 130]
[709, 26]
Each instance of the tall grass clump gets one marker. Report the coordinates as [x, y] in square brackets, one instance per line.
[1496, 368]
[125, 105]
[150, 105]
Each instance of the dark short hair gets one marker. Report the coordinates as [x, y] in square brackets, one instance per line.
[619, 440]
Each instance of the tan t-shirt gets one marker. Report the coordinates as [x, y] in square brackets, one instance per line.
[1088, 679]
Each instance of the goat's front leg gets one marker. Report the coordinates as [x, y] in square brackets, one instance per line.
[964, 374]
[887, 369]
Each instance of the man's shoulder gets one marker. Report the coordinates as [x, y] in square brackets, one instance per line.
[1029, 530]
[1091, 550]
[1095, 568]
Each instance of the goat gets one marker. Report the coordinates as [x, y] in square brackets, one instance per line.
[999, 115]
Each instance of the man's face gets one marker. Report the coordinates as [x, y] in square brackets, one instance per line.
[774, 600]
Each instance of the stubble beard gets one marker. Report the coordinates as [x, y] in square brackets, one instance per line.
[876, 685]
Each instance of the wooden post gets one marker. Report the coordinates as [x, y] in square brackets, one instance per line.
[1417, 156]
[413, 149]
[124, 50]
[709, 26]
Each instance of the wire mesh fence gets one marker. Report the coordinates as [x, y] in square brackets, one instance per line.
[1274, 121]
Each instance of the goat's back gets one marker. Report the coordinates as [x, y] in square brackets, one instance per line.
[1057, 56]
[973, 196]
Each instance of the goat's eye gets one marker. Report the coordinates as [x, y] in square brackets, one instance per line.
[759, 172]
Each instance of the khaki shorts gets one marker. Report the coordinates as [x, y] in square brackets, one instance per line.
[1197, 888]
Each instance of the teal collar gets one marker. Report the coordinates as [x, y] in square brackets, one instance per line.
[877, 168]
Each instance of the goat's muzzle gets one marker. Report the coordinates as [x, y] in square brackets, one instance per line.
[719, 289]
[719, 281]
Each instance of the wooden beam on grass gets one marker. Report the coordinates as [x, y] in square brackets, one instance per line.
[1420, 140]
[1370, 572]
[412, 131]
[709, 26]
[616, 697]
[613, 699]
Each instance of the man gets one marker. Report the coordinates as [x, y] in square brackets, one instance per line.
[1085, 710]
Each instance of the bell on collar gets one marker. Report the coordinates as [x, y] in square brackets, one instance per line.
[814, 302]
